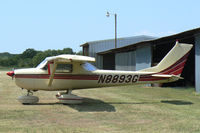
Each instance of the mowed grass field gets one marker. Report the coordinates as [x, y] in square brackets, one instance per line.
[128, 109]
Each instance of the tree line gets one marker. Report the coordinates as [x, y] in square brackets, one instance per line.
[30, 57]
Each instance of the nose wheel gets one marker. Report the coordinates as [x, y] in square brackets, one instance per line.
[28, 99]
[68, 98]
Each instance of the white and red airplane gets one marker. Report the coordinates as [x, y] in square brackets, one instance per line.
[71, 72]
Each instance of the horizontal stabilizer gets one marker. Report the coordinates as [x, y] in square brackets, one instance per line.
[171, 77]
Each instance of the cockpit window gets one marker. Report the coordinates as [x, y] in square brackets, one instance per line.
[45, 67]
[64, 68]
[88, 67]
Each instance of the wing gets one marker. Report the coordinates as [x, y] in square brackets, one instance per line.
[71, 58]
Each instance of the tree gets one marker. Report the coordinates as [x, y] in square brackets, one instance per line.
[67, 51]
[39, 58]
[29, 53]
[79, 53]
[30, 57]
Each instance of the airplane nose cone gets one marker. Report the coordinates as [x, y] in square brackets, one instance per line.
[11, 73]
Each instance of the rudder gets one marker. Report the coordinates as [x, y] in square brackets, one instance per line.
[173, 63]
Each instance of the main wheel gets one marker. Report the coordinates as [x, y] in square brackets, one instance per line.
[28, 99]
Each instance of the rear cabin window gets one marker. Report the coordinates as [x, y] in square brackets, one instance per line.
[89, 67]
[64, 68]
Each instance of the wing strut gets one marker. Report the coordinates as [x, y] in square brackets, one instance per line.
[52, 74]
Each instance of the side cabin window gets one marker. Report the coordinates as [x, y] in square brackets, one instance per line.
[88, 67]
[64, 68]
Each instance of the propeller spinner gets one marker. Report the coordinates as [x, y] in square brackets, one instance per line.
[11, 73]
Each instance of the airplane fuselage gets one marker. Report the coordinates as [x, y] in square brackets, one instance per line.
[38, 79]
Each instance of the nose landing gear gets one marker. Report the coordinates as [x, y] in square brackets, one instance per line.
[68, 98]
[28, 99]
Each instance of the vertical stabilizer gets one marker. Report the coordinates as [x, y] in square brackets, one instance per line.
[173, 63]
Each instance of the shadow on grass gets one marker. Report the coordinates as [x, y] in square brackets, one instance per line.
[93, 105]
[44, 104]
[132, 102]
[176, 102]
[88, 105]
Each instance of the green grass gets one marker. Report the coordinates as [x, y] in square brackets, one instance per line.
[115, 110]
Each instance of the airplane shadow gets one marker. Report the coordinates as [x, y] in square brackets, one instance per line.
[88, 105]
[43, 104]
[132, 102]
[93, 105]
[176, 102]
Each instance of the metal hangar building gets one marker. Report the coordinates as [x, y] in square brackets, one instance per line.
[139, 52]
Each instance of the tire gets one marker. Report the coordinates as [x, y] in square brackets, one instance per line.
[28, 99]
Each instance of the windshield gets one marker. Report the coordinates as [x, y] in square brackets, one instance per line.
[89, 67]
[42, 64]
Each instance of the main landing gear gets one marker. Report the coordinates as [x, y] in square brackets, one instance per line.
[28, 99]
[68, 98]
[63, 97]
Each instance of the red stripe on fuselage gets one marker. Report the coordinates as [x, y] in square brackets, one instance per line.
[78, 77]
[58, 76]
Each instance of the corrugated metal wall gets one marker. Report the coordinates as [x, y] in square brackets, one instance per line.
[99, 61]
[125, 61]
[197, 63]
[143, 57]
[104, 45]
[97, 47]
[129, 61]
[134, 60]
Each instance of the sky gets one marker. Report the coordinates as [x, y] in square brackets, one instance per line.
[58, 24]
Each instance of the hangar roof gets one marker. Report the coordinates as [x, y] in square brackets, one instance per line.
[162, 40]
[122, 41]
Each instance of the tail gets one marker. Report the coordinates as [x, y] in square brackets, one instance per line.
[173, 63]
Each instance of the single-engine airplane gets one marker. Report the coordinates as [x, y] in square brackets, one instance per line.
[71, 72]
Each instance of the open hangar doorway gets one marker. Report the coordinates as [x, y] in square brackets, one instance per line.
[161, 48]
[109, 61]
